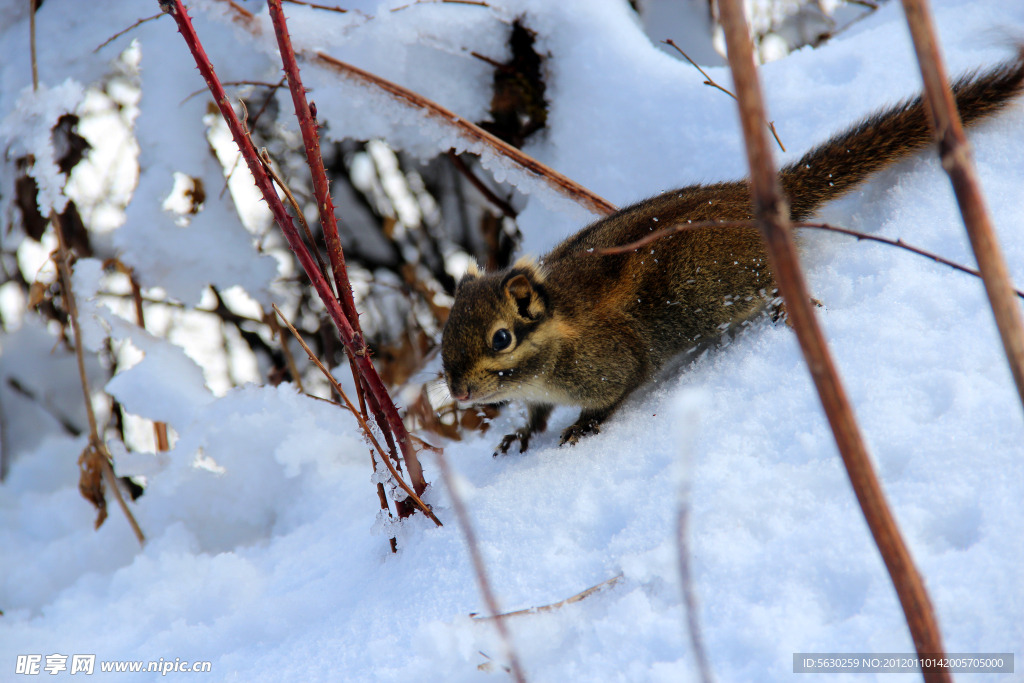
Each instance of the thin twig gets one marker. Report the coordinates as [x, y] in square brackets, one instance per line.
[607, 583]
[955, 153]
[493, 62]
[689, 595]
[259, 84]
[704, 225]
[500, 203]
[46, 404]
[4, 447]
[255, 120]
[117, 35]
[32, 43]
[241, 10]
[554, 179]
[362, 422]
[480, 569]
[163, 444]
[866, 3]
[100, 448]
[266, 102]
[265, 157]
[289, 359]
[316, 6]
[382, 497]
[710, 81]
[772, 215]
[478, 3]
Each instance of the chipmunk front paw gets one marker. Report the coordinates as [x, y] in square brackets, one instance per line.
[521, 435]
[574, 432]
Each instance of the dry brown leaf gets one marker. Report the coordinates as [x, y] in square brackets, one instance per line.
[91, 482]
[37, 294]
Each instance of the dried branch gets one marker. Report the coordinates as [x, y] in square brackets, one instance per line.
[262, 84]
[351, 338]
[772, 215]
[382, 407]
[4, 446]
[703, 225]
[362, 422]
[265, 157]
[238, 8]
[710, 81]
[266, 102]
[498, 202]
[607, 583]
[316, 6]
[955, 153]
[32, 43]
[289, 359]
[43, 402]
[557, 181]
[480, 569]
[117, 35]
[96, 450]
[163, 444]
[478, 3]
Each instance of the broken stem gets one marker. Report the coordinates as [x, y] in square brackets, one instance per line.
[63, 265]
[607, 583]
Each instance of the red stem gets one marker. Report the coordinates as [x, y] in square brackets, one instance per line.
[311, 141]
[352, 339]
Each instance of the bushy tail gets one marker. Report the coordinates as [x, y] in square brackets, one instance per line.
[835, 167]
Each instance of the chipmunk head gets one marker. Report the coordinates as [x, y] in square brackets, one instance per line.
[493, 348]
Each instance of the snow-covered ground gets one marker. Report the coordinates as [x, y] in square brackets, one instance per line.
[265, 556]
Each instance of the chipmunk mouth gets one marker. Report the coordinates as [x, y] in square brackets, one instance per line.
[467, 394]
[474, 396]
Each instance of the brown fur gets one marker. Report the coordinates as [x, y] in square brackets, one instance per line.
[588, 330]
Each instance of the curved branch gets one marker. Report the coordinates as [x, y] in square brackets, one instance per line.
[558, 182]
[665, 232]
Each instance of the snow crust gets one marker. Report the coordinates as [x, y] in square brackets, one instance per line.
[261, 556]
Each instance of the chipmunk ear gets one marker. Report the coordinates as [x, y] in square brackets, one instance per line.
[526, 296]
[472, 273]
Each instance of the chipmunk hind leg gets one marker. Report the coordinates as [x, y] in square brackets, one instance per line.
[536, 422]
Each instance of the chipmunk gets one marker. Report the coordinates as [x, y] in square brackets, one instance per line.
[573, 328]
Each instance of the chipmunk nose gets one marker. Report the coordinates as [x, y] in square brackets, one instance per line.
[458, 390]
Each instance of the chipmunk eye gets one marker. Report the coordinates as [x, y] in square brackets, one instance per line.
[502, 338]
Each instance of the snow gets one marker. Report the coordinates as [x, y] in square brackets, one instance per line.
[261, 556]
[28, 131]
